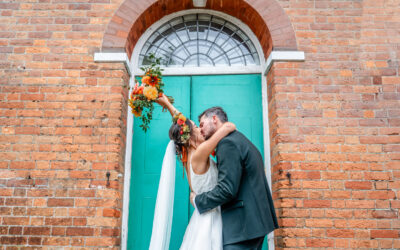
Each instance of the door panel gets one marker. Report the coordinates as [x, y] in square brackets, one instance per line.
[147, 154]
[241, 98]
[238, 95]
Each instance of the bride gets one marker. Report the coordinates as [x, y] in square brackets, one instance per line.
[204, 231]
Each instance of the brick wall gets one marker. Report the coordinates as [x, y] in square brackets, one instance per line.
[62, 127]
[334, 124]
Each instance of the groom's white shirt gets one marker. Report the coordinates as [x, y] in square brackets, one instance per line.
[194, 202]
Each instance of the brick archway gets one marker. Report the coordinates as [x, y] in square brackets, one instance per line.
[266, 18]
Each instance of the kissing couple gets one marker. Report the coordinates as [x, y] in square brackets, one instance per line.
[232, 200]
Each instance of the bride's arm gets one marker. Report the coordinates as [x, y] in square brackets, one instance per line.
[164, 102]
[204, 150]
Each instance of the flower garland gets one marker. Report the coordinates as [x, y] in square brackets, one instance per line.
[184, 132]
[184, 128]
[143, 96]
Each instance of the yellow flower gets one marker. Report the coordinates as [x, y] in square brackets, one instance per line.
[182, 117]
[150, 92]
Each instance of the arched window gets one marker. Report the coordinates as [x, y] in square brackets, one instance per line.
[198, 40]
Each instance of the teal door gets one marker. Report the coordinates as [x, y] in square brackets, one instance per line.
[239, 95]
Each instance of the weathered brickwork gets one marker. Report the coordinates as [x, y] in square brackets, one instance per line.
[335, 127]
[334, 119]
[63, 125]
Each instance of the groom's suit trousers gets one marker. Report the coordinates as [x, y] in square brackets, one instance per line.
[253, 244]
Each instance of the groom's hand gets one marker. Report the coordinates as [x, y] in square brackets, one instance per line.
[192, 196]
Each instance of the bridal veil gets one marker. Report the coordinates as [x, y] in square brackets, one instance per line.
[163, 213]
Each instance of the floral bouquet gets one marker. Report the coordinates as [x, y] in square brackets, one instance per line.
[143, 96]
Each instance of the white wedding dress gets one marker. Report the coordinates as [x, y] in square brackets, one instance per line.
[204, 231]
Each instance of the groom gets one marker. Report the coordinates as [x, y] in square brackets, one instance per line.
[242, 191]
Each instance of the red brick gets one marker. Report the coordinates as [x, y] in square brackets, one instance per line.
[108, 212]
[15, 220]
[340, 233]
[37, 231]
[80, 231]
[54, 202]
[13, 240]
[110, 232]
[104, 241]
[15, 230]
[317, 203]
[319, 223]
[384, 234]
[80, 221]
[56, 241]
[358, 185]
[58, 221]
[319, 243]
[27, 130]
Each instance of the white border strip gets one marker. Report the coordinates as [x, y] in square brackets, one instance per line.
[283, 56]
[127, 172]
[226, 70]
[123, 57]
[114, 57]
[267, 156]
[273, 57]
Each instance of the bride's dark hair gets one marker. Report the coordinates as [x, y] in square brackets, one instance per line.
[174, 134]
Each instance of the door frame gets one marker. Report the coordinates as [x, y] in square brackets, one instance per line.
[135, 71]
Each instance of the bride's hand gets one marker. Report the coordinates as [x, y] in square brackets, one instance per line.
[162, 100]
[229, 126]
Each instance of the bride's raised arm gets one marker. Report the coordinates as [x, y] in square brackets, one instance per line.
[164, 102]
[204, 150]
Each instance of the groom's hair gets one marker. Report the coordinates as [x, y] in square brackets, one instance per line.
[218, 111]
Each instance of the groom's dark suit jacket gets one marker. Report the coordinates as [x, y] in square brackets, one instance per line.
[242, 191]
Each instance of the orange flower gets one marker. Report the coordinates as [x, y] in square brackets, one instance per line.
[154, 80]
[137, 90]
[140, 90]
[150, 80]
[180, 122]
[182, 117]
[150, 92]
[146, 80]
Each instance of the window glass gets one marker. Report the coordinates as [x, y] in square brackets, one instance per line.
[199, 40]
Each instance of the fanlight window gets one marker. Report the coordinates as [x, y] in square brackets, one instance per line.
[198, 40]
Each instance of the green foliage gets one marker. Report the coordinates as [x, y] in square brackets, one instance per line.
[141, 106]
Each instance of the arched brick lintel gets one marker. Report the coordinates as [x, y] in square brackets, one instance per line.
[266, 18]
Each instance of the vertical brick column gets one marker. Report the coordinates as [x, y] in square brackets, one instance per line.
[62, 127]
[62, 158]
[335, 127]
